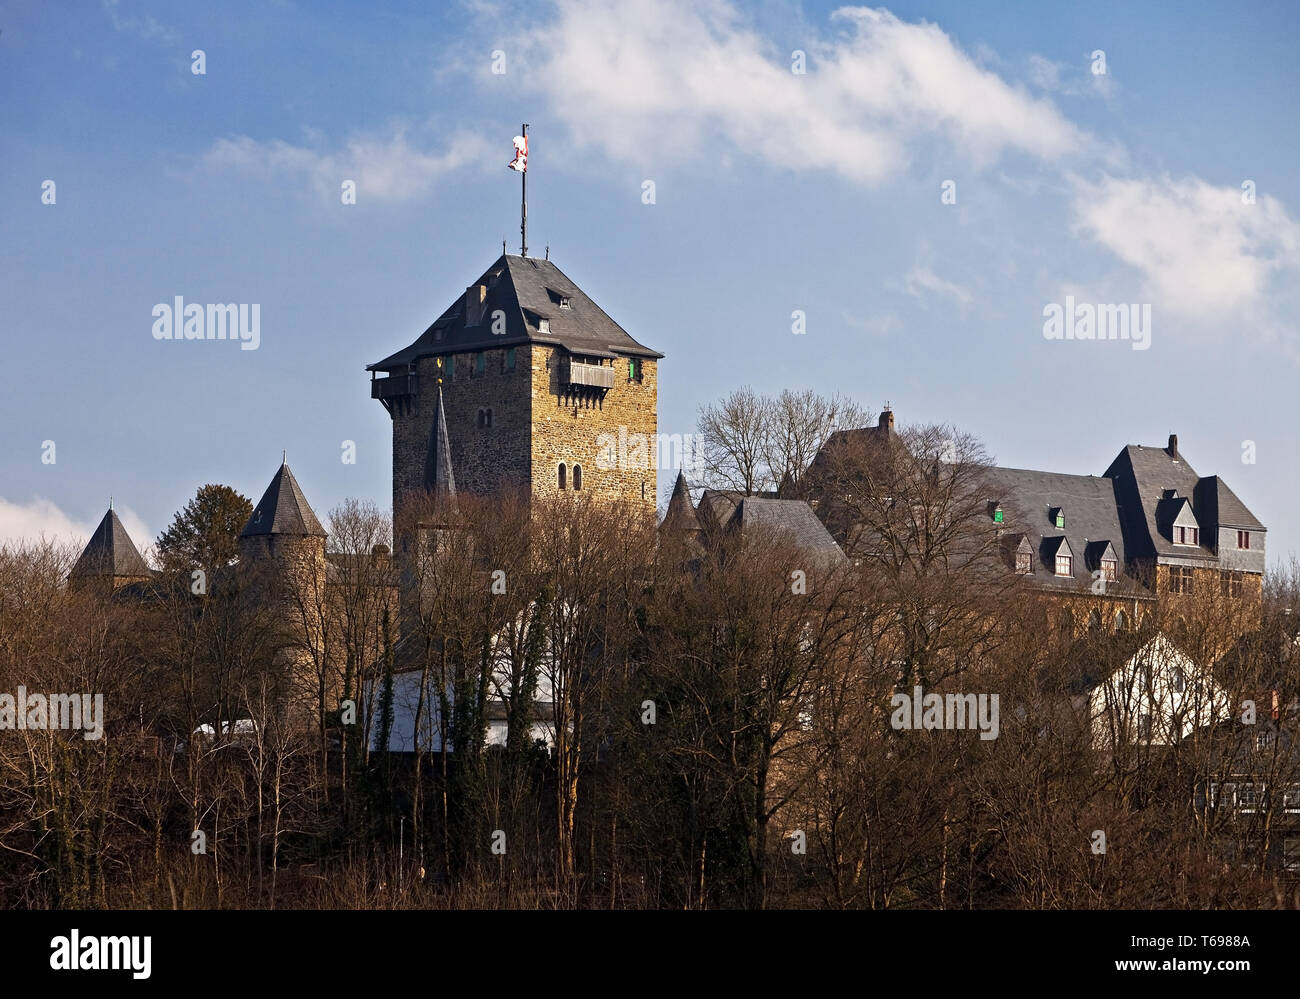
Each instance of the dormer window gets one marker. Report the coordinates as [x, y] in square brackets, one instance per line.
[995, 510]
[1064, 565]
[1058, 518]
[543, 326]
[1024, 563]
[1187, 535]
[1109, 569]
[566, 303]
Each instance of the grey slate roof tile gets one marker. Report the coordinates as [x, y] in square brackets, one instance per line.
[526, 290]
[283, 509]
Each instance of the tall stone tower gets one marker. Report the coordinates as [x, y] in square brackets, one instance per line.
[542, 391]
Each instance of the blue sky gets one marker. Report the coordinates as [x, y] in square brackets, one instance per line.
[774, 192]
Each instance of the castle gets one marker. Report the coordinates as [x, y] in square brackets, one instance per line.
[516, 384]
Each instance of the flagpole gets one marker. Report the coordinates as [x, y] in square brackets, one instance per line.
[523, 201]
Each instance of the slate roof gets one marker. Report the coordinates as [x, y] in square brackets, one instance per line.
[1222, 505]
[527, 290]
[110, 552]
[438, 475]
[283, 509]
[792, 517]
[680, 515]
[1091, 518]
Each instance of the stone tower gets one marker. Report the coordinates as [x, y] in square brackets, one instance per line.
[282, 559]
[542, 391]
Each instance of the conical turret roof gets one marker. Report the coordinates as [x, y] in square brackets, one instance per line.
[283, 509]
[110, 552]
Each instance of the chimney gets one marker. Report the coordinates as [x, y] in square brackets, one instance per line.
[1173, 446]
[474, 297]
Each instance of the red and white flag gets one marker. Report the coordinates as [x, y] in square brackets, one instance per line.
[520, 162]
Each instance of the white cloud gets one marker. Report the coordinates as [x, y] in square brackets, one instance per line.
[384, 169]
[649, 80]
[1202, 252]
[922, 282]
[29, 521]
[146, 26]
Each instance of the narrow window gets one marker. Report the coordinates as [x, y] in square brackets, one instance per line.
[577, 476]
[480, 361]
[633, 369]
[1121, 621]
[480, 418]
[487, 417]
[563, 473]
[510, 359]
[1109, 569]
[1094, 621]
[1060, 520]
[1243, 540]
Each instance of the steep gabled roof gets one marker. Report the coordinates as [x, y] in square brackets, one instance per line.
[1145, 476]
[1222, 507]
[283, 509]
[525, 290]
[794, 518]
[1087, 501]
[110, 552]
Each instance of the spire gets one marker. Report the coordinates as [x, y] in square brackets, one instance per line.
[283, 509]
[680, 515]
[438, 475]
[110, 552]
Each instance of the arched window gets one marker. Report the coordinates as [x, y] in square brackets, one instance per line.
[577, 476]
[1121, 621]
[1066, 622]
[563, 471]
[1094, 621]
[487, 417]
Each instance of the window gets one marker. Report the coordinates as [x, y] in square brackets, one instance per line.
[1291, 853]
[1064, 565]
[1180, 579]
[485, 418]
[1243, 540]
[480, 362]
[510, 359]
[566, 303]
[1059, 519]
[1094, 621]
[1248, 796]
[577, 476]
[1144, 727]
[1187, 535]
[1291, 798]
[1109, 569]
[1180, 680]
[1066, 622]
[543, 326]
[563, 474]
[633, 369]
[1024, 563]
[1231, 583]
[1121, 621]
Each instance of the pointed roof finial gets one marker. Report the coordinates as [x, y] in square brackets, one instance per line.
[548, 251]
[284, 457]
[503, 247]
[110, 502]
